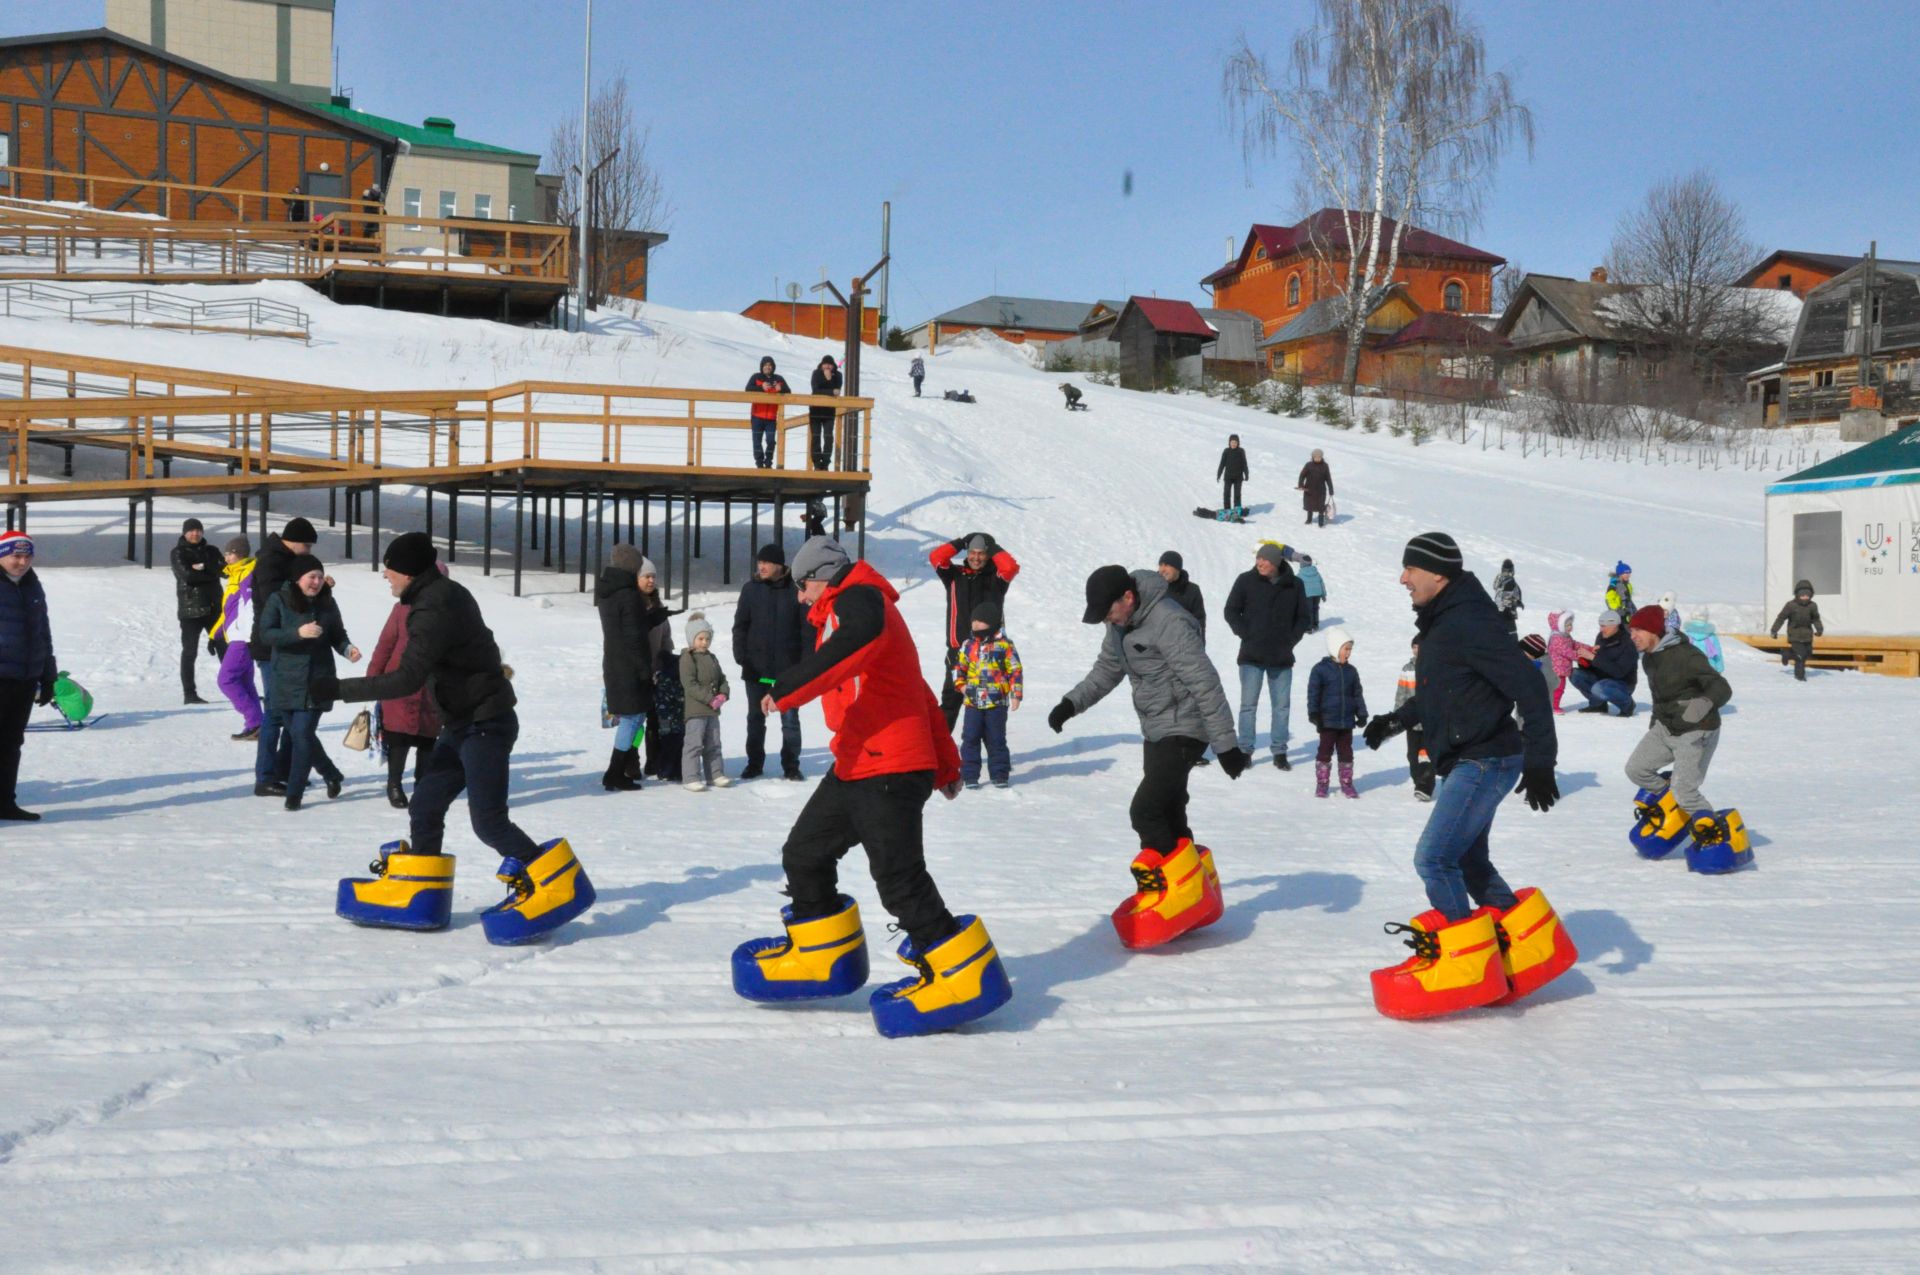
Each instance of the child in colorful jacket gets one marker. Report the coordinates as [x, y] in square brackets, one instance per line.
[1314, 587]
[235, 623]
[1562, 653]
[986, 672]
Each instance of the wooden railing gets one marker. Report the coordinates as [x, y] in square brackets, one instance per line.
[171, 199]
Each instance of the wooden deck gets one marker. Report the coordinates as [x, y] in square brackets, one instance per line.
[1891, 656]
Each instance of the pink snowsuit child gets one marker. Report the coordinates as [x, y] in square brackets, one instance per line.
[1561, 652]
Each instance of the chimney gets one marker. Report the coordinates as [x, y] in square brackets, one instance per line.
[1597, 275]
[439, 124]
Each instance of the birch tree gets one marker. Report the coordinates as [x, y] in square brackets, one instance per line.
[1394, 117]
[627, 194]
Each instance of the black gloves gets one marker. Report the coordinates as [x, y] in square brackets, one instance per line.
[326, 688]
[1541, 790]
[1235, 763]
[1062, 711]
[45, 697]
[1380, 730]
[1313, 720]
[213, 648]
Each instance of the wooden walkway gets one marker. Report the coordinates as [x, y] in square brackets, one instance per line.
[190, 433]
[1892, 656]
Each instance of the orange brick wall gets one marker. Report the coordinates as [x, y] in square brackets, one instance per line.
[1801, 279]
[1261, 289]
[825, 322]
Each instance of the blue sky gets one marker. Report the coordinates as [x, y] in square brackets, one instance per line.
[1001, 132]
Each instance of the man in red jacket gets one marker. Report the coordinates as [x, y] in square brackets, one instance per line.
[891, 750]
[981, 576]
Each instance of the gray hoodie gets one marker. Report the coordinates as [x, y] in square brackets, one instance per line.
[1176, 690]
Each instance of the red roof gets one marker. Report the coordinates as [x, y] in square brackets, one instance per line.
[1178, 318]
[1329, 228]
[1437, 327]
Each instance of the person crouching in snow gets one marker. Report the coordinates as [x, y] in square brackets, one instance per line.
[1562, 653]
[1335, 706]
[1471, 676]
[891, 752]
[1685, 730]
[705, 685]
[986, 671]
[1155, 645]
[1801, 615]
[303, 628]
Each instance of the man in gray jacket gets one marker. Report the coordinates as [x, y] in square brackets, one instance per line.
[1153, 643]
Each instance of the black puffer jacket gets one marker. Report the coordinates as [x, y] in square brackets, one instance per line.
[824, 384]
[270, 571]
[1615, 658]
[1183, 590]
[1268, 616]
[626, 661]
[197, 592]
[450, 651]
[1233, 465]
[770, 629]
[1469, 676]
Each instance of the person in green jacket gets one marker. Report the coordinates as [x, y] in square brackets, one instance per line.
[1685, 731]
[302, 628]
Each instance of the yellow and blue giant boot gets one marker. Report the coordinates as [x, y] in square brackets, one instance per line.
[1455, 965]
[1659, 825]
[821, 957]
[960, 979]
[1535, 947]
[406, 892]
[1173, 895]
[546, 894]
[1719, 842]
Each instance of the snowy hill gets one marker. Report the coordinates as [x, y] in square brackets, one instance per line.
[201, 1069]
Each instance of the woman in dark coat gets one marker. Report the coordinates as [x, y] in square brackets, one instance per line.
[408, 722]
[1316, 484]
[626, 660]
[826, 380]
[303, 628]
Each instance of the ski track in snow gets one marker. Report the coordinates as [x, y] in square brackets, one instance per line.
[202, 1070]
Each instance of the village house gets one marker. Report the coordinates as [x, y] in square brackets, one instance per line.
[1802, 272]
[826, 322]
[1867, 316]
[1558, 331]
[1014, 319]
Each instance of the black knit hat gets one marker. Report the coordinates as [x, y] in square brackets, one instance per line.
[987, 612]
[412, 554]
[300, 531]
[192, 524]
[301, 565]
[1172, 558]
[1434, 551]
[771, 553]
[1104, 588]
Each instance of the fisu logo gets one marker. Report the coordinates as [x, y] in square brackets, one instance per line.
[1876, 546]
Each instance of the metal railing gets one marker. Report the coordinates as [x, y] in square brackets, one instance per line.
[248, 316]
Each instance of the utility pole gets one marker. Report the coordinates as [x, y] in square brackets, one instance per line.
[586, 168]
[1867, 283]
[886, 267]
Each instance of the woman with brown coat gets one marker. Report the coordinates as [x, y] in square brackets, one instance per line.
[1316, 485]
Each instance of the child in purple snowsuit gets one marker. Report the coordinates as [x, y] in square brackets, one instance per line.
[236, 621]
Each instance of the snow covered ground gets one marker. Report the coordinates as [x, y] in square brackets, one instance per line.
[201, 1069]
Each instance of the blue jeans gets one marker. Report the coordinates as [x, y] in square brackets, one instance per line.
[472, 758]
[627, 731]
[763, 447]
[988, 725]
[307, 753]
[757, 736]
[1452, 855]
[273, 751]
[1279, 705]
[1602, 690]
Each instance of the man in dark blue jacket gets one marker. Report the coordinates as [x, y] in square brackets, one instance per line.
[1469, 676]
[769, 637]
[1267, 610]
[27, 668]
[1609, 673]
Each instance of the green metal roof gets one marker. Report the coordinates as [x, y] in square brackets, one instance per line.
[419, 135]
[1888, 461]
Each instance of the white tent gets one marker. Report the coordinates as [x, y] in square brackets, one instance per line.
[1851, 526]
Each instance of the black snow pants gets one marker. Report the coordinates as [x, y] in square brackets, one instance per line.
[1159, 810]
[882, 814]
[16, 705]
[1230, 493]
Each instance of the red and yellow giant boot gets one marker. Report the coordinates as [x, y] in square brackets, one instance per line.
[1535, 948]
[1454, 966]
[1177, 893]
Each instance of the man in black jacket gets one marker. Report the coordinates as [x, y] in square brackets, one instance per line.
[1469, 676]
[1610, 670]
[1232, 471]
[1182, 589]
[826, 380]
[273, 750]
[770, 633]
[1267, 611]
[972, 569]
[27, 665]
[197, 578]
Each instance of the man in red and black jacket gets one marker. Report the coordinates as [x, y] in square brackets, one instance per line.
[889, 749]
[766, 416]
[982, 576]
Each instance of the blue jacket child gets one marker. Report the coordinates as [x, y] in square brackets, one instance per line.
[1337, 707]
[1313, 587]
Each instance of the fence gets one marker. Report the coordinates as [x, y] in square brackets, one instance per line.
[248, 316]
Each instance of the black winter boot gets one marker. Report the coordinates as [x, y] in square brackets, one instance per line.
[616, 779]
[396, 796]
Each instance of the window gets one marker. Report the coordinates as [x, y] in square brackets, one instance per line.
[1293, 289]
[1260, 253]
[1456, 297]
[449, 204]
[1823, 380]
[483, 206]
[1786, 282]
[1818, 549]
[410, 201]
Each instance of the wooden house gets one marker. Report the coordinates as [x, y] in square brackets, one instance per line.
[1801, 272]
[1867, 314]
[1311, 347]
[1559, 331]
[1159, 340]
[1282, 271]
[1014, 319]
[1441, 354]
[824, 322]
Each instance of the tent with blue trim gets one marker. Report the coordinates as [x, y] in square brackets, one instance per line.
[1851, 527]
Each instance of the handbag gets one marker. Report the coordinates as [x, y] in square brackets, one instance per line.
[359, 732]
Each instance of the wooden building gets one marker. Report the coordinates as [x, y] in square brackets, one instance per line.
[1014, 319]
[826, 322]
[1447, 355]
[1311, 347]
[1864, 315]
[1558, 330]
[1802, 272]
[1282, 271]
[1158, 341]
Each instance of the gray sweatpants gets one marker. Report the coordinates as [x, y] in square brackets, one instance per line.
[700, 755]
[1689, 755]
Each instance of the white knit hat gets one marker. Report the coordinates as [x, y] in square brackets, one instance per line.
[1337, 638]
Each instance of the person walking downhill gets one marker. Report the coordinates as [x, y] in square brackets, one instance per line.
[273, 751]
[1266, 611]
[302, 628]
[766, 416]
[1152, 643]
[409, 721]
[1480, 942]
[1801, 616]
[704, 684]
[1507, 598]
[1316, 487]
[826, 380]
[234, 628]
[1337, 707]
[196, 586]
[769, 636]
[626, 661]
[989, 677]
[891, 753]
[1232, 472]
[981, 576]
[27, 667]
[451, 652]
[917, 372]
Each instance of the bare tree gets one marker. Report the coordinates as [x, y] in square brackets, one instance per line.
[627, 193]
[1682, 249]
[1396, 117]
[1506, 285]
